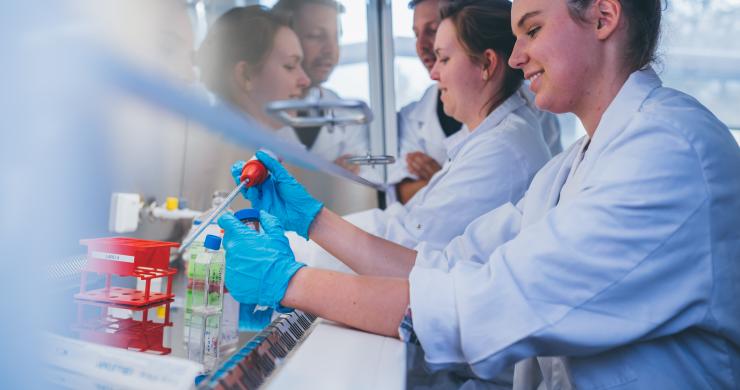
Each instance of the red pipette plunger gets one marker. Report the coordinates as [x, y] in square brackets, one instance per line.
[253, 173]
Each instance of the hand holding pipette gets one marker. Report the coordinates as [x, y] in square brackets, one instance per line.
[252, 173]
[283, 196]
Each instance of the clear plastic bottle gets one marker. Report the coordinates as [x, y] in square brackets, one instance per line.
[204, 303]
[196, 247]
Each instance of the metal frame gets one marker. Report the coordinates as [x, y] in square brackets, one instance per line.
[352, 112]
[383, 133]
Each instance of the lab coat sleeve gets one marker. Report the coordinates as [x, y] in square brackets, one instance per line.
[408, 141]
[492, 173]
[626, 260]
[479, 240]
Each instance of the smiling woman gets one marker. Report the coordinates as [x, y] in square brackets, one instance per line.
[627, 38]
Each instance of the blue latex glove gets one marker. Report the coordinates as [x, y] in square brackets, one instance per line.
[282, 196]
[251, 320]
[259, 266]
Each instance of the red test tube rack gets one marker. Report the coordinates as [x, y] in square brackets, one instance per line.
[145, 260]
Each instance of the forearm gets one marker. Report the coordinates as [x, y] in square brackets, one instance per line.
[406, 189]
[373, 304]
[365, 253]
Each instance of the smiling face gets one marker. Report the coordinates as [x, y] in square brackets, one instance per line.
[459, 78]
[426, 22]
[317, 27]
[280, 77]
[555, 52]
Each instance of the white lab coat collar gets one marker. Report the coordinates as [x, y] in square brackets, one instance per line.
[628, 101]
[455, 142]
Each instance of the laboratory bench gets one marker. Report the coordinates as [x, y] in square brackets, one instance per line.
[297, 350]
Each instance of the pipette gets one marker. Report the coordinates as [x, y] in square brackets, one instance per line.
[253, 173]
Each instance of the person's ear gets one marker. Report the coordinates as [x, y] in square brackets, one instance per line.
[607, 14]
[490, 62]
[242, 76]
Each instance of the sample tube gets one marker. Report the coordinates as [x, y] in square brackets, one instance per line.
[249, 217]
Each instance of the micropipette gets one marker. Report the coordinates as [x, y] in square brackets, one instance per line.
[253, 173]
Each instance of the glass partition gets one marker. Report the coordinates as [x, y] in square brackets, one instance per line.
[412, 78]
[699, 55]
[332, 41]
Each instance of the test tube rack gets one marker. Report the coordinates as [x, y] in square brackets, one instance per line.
[144, 260]
[136, 332]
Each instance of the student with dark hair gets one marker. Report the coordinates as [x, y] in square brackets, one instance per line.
[424, 130]
[250, 58]
[619, 267]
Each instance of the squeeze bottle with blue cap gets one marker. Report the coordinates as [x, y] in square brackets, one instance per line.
[190, 265]
[217, 199]
[204, 302]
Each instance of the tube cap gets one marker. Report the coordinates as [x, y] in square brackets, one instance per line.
[212, 242]
[247, 214]
[171, 203]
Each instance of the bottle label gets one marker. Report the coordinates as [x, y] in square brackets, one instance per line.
[113, 257]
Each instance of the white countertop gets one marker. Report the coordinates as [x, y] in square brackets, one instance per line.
[336, 357]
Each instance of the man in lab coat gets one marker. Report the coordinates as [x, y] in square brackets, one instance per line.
[423, 125]
[316, 22]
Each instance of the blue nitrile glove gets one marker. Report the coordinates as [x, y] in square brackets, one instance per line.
[259, 265]
[282, 196]
[252, 320]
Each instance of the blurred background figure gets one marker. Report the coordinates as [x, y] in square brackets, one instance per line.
[250, 58]
[317, 24]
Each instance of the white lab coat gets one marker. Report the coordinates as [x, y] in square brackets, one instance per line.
[485, 168]
[627, 267]
[420, 130]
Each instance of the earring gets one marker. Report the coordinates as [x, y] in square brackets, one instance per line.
[485, 75]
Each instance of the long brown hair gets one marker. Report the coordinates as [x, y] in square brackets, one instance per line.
[643, 28]
[241, 34]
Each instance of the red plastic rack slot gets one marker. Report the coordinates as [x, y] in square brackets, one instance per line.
[143, 335]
